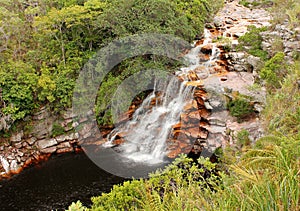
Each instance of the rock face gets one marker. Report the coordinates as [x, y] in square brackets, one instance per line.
[284, 39]
[24, 148]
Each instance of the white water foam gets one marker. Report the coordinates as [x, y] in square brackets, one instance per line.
[145, 135]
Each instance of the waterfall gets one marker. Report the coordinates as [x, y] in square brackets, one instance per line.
[146, 133]
[144, 136]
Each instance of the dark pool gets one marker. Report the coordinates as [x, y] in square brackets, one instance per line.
[54, 184]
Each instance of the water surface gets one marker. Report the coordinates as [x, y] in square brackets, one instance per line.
[54, 184]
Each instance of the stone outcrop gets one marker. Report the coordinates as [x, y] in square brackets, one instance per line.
[36, 142]
[282, 38]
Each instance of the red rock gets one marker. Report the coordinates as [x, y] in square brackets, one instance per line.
[203, 57]
[200, 101]
[28, 161]
[183, 145]
[199, 42]
[191, 106]
[194, 83]
[199, 93]
[203, 123]
[194, 115]
[17, 171]
[186, 125]
[64, 150]
[193, 76]
[174, 153]
[118, 141]
[178, 133]
[177, 126]
[222, 63]
[204, 113]
[203, 133]
[193, 132]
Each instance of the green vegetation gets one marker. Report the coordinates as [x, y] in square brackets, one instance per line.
[45, 44]
[251, 42]
[243, 138]
[174, 188]
[57, 130]
[286, 10]
[282, 115]
[274, 71]
[239, 108]
[256, 3]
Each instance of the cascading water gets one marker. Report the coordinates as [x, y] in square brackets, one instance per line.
[193, 57]
[145, 135]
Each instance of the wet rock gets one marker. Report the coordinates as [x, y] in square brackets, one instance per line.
[191, 106]
[193, 76]
[64, 150]
[194, 83]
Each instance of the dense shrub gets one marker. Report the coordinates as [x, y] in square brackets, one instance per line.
[165, 188]
[240, 108]
[274, 70]
[252, 42]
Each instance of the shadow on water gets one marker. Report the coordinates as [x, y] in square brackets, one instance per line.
[54, 184]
